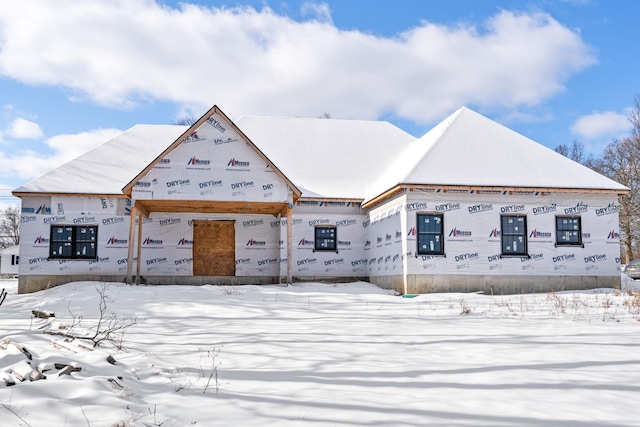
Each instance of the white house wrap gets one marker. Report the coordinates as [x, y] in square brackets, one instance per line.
[470, 206]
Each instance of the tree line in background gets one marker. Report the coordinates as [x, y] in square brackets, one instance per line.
[10, 227]
[620, 161]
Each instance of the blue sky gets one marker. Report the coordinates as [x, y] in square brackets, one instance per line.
[74, 73]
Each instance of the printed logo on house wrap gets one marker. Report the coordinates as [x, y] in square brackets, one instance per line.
[163, 164]
[527, 263]
[28, 218]
[494, 234]
[611, 208]
[332, 264]
[493, 259]
[462, 260]
[560, 261]
[595, 258]
[199, 164]
[207, 187]
[42, 209]
[152, 243]
[415, 206]
[256, 244]
[85, 220]
[306, 243]
[512, 208]
[114, 242]
[294, 222]
[411, 233]
[457, 235]
[220, 141]
[482, 207]
[169, 221]
[239, 187]
[613, 235]
[216, 124]
[540, 210]
[113, 220]
[155, 263]
[579, 208]
[238, 164]
[41, 241]
[191, 137]
[182, 243]
[445, 207]
[53, 219]
[252, 222]
[176, 185]
[346, 222]
[36, 263]
[537, 234]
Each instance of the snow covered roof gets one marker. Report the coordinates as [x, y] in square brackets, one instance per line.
[109, 167]
[347, 159]
[468, 149]
[327, 157]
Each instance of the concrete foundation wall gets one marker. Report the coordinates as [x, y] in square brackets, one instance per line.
[422, 284]
[28, 284]
[494, 285]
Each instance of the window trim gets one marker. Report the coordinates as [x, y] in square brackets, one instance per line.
[74, 243]
[525, 252]
[440, 253]
[563, 244]
[316, 248]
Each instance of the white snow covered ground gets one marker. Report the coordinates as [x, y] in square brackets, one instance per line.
[319, 354]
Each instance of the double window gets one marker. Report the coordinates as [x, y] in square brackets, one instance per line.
[514, 235]
[73, 242]
[326, 238]
[568, 231]
[430, 234]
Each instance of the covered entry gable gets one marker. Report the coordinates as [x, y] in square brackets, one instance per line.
[212, 167]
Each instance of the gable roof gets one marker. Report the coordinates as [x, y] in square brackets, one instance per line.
[106, 169]
[470, 150]
[194, 127]
[328, 158]
[343, 159]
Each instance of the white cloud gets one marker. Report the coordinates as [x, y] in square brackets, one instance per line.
[598, 125]
[319, 11]
[28, 164]
[24, 129]
[122, 52]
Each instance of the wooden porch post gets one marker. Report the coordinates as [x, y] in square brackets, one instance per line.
[132, 223]
[139, 251]
[289, 237]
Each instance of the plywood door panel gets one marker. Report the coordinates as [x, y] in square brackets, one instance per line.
[214, 248]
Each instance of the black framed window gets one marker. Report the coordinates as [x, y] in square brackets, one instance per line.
[326, 238]
[568, 231]
[430, 234]
[15, 259]
[73, 242]
[514, 235]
